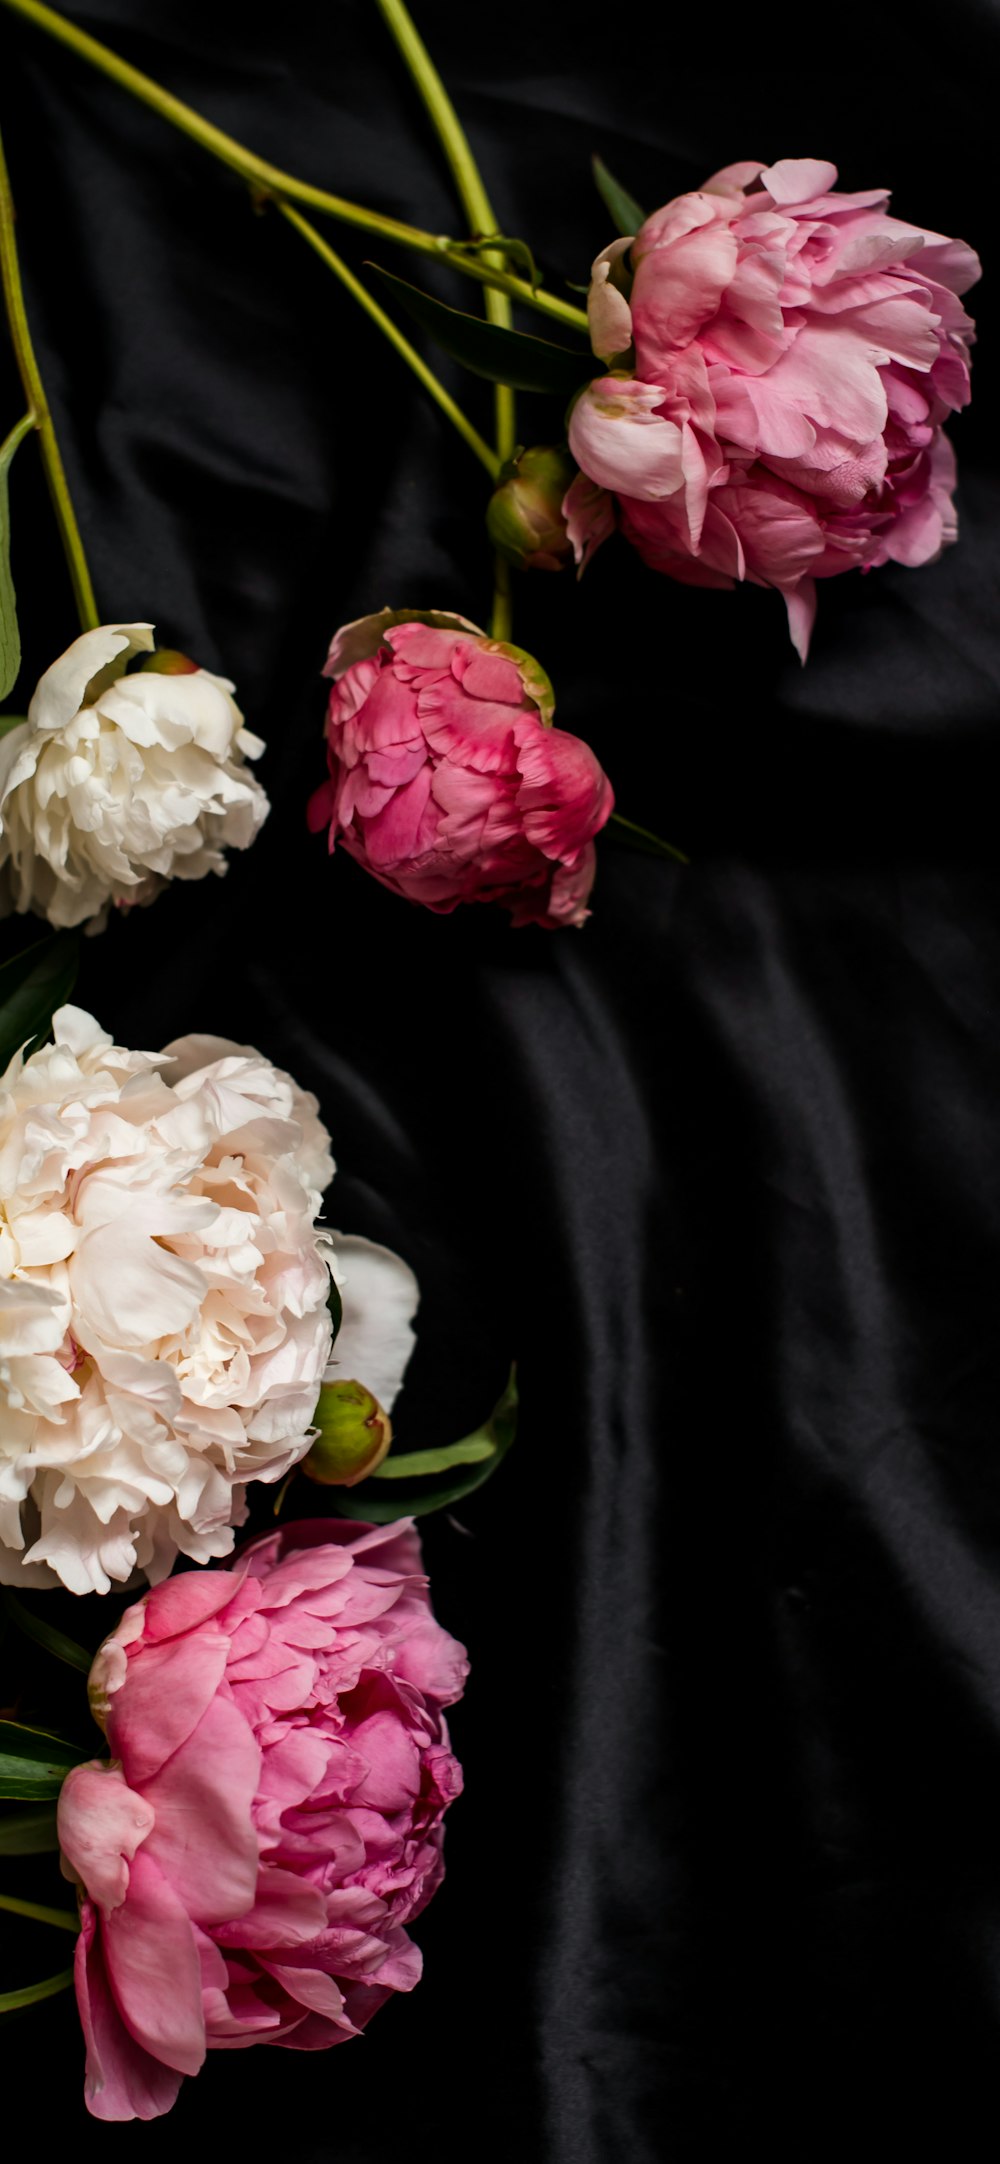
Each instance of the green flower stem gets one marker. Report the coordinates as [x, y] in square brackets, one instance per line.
[482, 220]
[34, 391]
[654, 841]
[271, 180]
[402, 345]
[64, 1919]
[30, 1994]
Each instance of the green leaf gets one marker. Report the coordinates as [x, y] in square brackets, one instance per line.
[10, 638]
[28, 1833]
[511, 357]
[29, 1994]
[517, 253]
[32, 985]
[11, 721]
[419, 1491]
[620, 205]
[45, 1634]
[33, 1763]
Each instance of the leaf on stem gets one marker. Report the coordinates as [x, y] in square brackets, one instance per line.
[45, 1634]
[32, 985]
[511, 357]
[28, 1833]
[33, 1763]
[10, 637]
[427, 1480]
[620, 205]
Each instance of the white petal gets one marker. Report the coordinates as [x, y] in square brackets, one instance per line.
[380, 1296]
[59, 693]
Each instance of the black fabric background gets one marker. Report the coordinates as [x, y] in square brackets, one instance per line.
[721, 1169]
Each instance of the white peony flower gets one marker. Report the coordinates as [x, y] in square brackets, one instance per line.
[164, 1319]
[117, 783]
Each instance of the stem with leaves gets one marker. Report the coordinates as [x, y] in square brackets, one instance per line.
[268, 180]
[482, 221]
[38, 406]
[408, 353]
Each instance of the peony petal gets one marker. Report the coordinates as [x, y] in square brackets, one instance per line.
[203, 1840]
[122, 2080]
[380, 1297]
[154, 1969]
[60, 692]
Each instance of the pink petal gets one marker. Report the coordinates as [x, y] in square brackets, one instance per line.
[122, 2080]
[154, 1969]
[101, 1822]
[798, 180]
[169, 1688]
[204, 1842]
[800, 602]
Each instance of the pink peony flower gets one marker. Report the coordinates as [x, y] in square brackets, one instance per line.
[446, 779]
[271, 1815]
[783, 358]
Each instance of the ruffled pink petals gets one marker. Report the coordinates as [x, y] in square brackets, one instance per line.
[831, 347]
[255, 1885]
[440, 773]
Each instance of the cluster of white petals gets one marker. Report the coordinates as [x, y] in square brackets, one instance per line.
[118, 782]
[164, 1318]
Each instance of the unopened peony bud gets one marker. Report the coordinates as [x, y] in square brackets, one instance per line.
[168, 661]
[524, 519]
[354, 1436]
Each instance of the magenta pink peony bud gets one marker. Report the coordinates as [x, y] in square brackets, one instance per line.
[447, 780]
[782, 359]
[525, 516]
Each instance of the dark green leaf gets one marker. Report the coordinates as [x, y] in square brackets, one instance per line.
[10, 638]
[32, 985]
[28, 1833]
[526, 364]
[648, 844]
[45, 1634]
[9, 722]
[29, 1994]
[516, 252]
[33, 1763]
[620, 205]
[336, 1307]
[414, 1493]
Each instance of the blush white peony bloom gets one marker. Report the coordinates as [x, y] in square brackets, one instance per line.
[164, 1318]
[117, 783]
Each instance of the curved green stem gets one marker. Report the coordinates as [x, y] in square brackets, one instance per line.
[271, 180]
[482, 220]
[408, 353]
[34, 391]
[30, 1994]
[64, 1919]
[654, 843]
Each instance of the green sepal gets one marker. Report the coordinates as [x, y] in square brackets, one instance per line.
[510, 357]
[45, 1634]
[517, 252]
[619, 204]
[427, 1480]
[34, 1763]
[32, 985]
[29, 1994]
[10, 637]
[28, 1833]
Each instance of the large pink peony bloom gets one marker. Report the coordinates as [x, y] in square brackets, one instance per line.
[271, 1816]
[782, 359]
[446, 779]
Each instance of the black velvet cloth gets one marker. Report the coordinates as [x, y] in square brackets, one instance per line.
[721, 1169]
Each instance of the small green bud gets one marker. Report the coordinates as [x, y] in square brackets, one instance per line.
[167, 661]
[354, 1436]
[524, 519]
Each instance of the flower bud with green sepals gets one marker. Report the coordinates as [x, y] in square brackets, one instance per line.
[525, 519]
[354, 1436]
